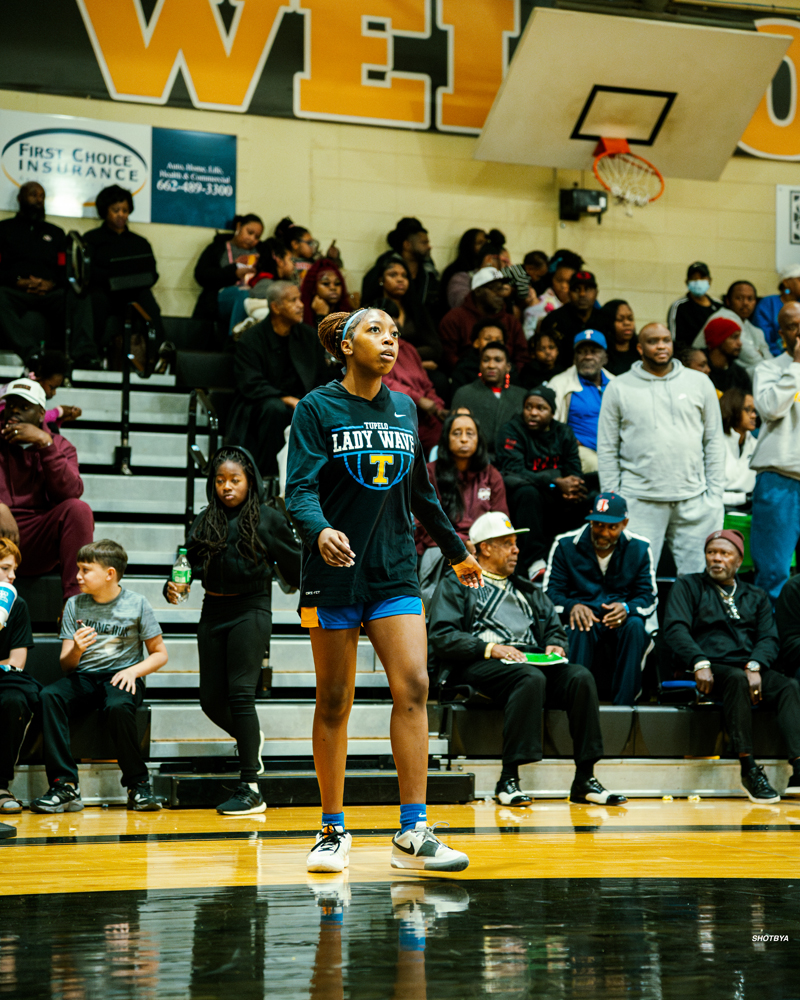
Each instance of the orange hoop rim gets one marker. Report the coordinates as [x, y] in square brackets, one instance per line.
[634, 156]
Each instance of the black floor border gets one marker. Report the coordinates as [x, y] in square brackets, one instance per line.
[527, 831]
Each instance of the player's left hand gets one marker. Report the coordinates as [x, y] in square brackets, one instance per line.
[469, 572]
[125, 680]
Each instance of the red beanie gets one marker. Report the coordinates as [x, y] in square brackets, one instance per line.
[736, 538]
[718, 330]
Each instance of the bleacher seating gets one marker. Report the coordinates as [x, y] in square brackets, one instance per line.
[146, 513]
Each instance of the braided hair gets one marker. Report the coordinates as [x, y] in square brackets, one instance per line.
[331, 329]
[211, 532]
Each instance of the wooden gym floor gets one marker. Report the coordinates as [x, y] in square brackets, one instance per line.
[652, 899]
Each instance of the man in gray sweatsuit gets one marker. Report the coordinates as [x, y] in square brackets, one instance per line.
[660, 444]
[776, 499]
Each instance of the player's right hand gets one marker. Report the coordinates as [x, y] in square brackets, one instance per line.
[334, 547]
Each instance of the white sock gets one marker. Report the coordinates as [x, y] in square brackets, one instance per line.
[253, 785]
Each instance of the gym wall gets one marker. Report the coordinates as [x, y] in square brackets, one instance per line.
[353, 183]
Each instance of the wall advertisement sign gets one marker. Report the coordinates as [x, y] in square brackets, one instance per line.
[180, 177]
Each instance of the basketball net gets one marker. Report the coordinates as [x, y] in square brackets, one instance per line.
[631, 179]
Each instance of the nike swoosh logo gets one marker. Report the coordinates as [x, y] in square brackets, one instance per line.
[405, 850]
[401, 415]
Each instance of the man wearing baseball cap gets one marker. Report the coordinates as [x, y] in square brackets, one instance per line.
[602, 581]
[579, 394]
[475, 635]
[688, 315]
[766, 312]
[579, 313]
[722, 629]
[724, 343]
[39, 488]
[485, 301]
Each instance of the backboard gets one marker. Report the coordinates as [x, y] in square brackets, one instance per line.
[682, 95]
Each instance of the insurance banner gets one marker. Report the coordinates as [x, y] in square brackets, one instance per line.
[175, 176]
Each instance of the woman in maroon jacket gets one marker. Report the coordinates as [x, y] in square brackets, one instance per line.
[410, 377]
[467, 486]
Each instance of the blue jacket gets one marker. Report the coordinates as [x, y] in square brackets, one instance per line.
[573, 574]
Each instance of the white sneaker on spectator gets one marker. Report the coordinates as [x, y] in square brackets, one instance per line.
[331, 851]
[420, 848]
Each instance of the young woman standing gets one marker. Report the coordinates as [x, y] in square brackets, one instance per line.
[356, 474]
[234, 546]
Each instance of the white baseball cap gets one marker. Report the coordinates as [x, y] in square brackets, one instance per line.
[495, 524]
[484, 275]
[793, 271]
[26, 388]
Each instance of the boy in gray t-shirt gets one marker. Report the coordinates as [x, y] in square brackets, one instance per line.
[103, 632]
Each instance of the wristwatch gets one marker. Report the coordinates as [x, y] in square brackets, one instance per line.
[753, 666]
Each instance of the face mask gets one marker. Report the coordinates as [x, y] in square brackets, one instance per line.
[699, 288]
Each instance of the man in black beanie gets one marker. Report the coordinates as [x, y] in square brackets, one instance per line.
[538, 458]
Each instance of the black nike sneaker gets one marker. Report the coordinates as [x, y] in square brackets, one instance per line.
[141, 798]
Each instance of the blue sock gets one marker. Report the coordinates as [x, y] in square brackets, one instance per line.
[333, 819]
[411, 815]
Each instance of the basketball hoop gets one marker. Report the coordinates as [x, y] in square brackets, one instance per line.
[631, 179]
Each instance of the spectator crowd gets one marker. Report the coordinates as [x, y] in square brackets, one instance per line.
[577, 458]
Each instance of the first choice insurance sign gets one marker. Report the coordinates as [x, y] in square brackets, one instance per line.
[175, 176]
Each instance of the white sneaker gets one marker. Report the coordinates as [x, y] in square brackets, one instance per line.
[331, 851]
[420, 848]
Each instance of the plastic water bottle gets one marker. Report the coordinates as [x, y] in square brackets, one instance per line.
[8, 594]
[182, 575]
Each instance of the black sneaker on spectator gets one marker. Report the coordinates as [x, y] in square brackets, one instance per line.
[793, 788]
[61, 797]
[583, 792]
[508, 793]
[243, 802]
[757, 786]
[7, 831]
[141, 798]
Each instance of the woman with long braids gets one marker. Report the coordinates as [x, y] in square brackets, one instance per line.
[356, 474]
[234, 547]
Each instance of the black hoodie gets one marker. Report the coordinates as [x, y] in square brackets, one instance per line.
[536, 458]
[357, 465]
[229, 573]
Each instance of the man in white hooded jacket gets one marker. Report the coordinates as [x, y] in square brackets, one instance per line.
[660, 444]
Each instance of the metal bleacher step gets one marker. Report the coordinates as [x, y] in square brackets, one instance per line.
[102, 377]
[147, 407]
[146, 544]
[150, 449]
[180, 729]
[140, 494]
[182, 790]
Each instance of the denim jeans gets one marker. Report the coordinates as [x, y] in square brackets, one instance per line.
[775, 530]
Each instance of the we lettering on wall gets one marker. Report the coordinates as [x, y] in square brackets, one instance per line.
[349, 69]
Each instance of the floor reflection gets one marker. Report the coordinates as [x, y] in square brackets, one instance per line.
[408, 940]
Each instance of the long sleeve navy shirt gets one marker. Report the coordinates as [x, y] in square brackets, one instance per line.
[356, 465]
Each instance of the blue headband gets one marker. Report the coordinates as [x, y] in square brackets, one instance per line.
[350, 320]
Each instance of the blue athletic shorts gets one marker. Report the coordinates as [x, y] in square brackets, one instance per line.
[353, 615]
